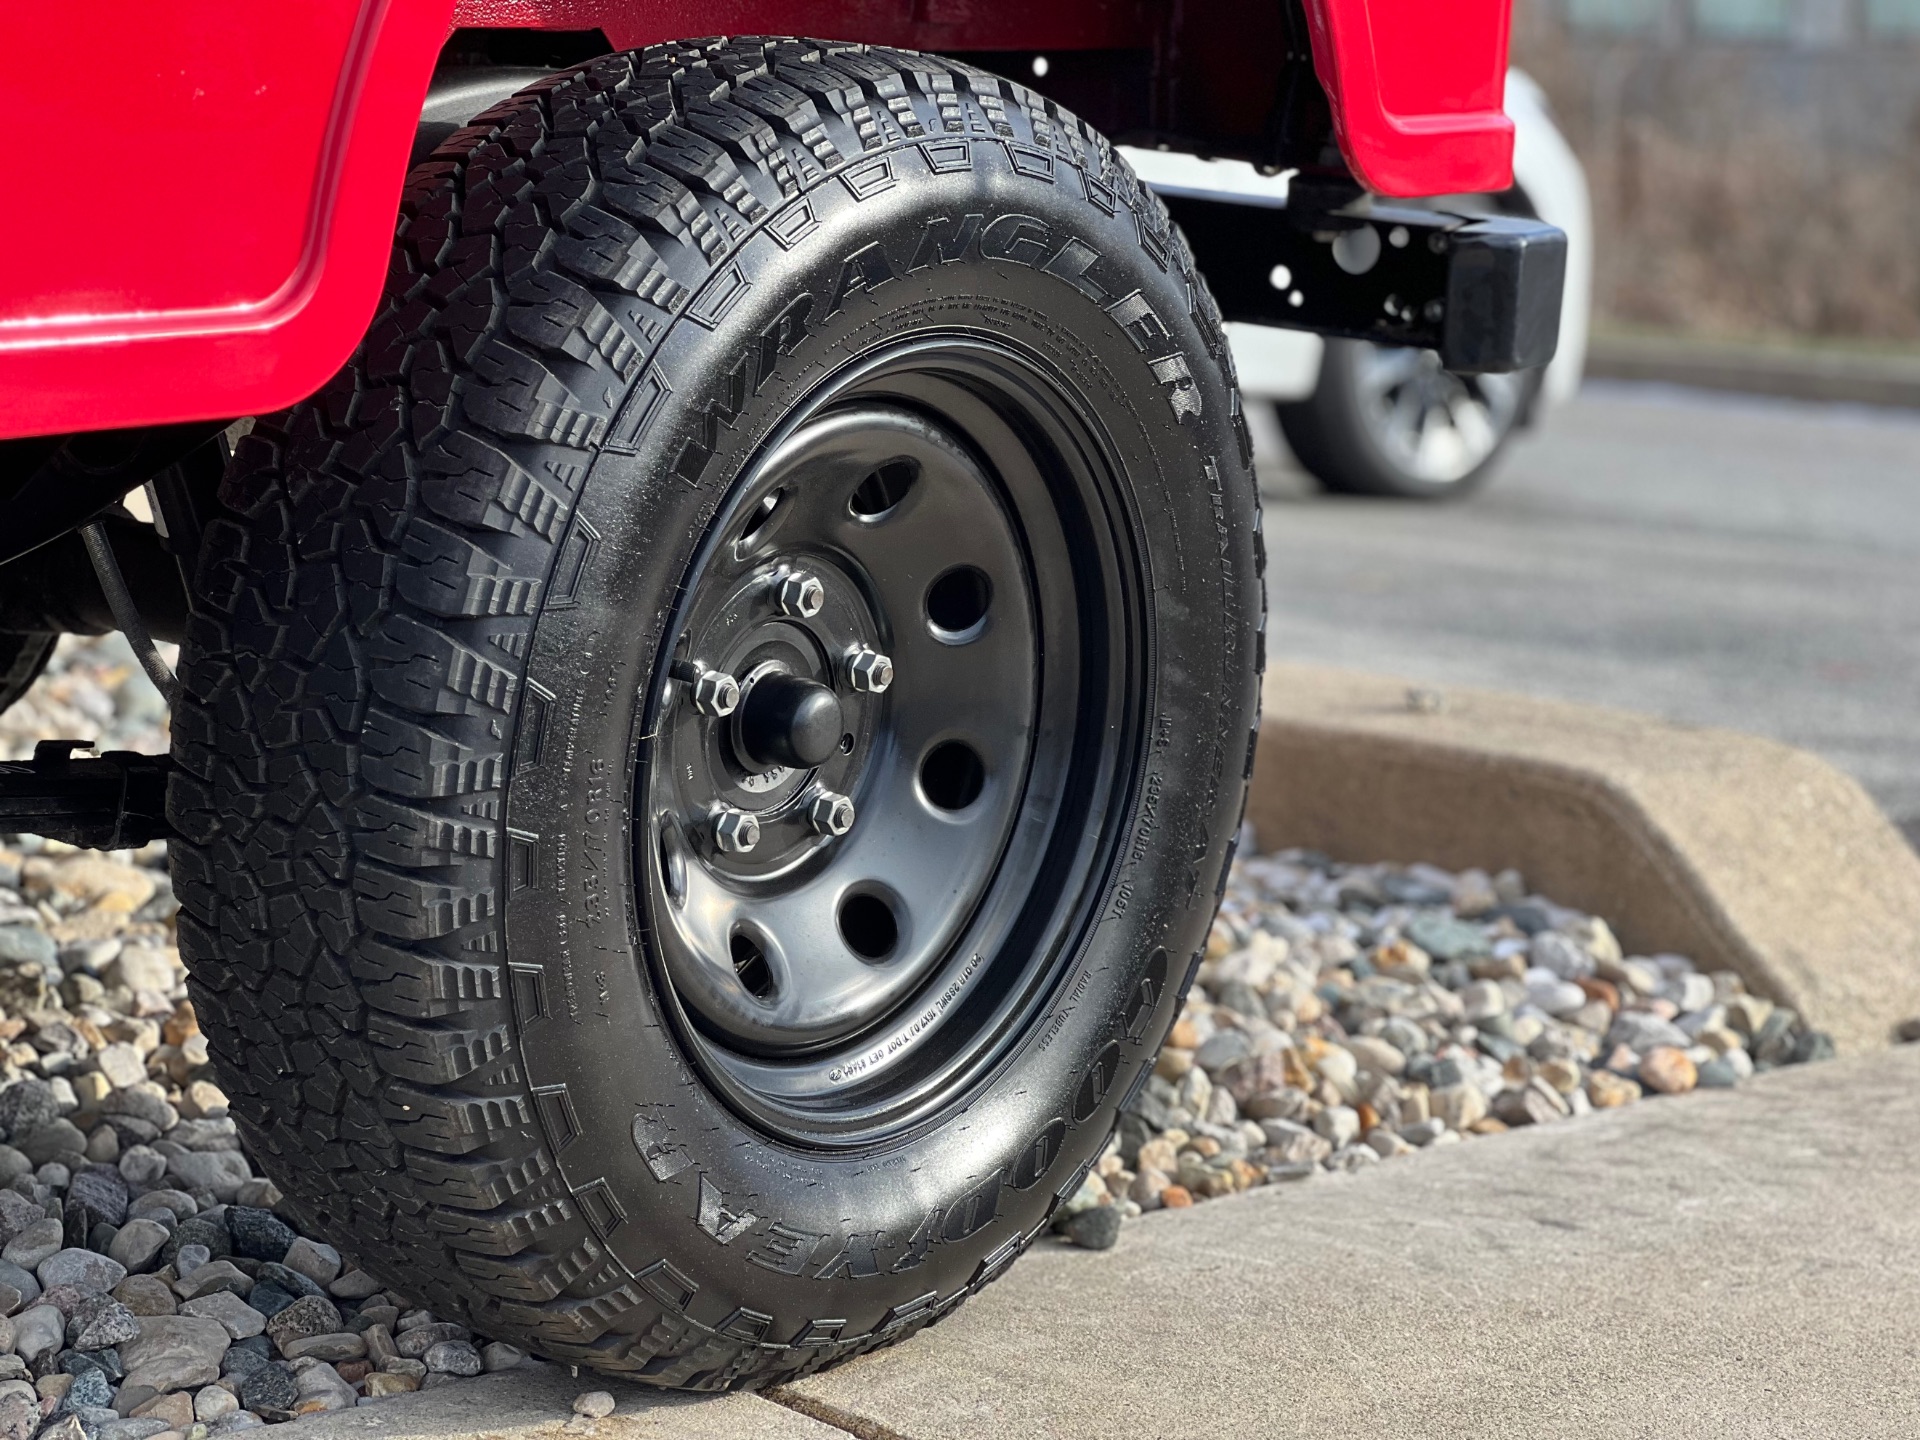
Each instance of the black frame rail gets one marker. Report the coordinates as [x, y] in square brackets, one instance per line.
[115, 801]
[1482, 290]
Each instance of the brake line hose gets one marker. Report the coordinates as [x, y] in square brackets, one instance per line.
[126, 614]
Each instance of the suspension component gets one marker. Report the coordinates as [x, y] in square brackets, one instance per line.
[117, 801]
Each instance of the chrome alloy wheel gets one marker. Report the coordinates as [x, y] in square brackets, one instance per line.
[1434, 425]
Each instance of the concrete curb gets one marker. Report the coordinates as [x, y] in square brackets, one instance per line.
[1742, 853]
[1855, 376]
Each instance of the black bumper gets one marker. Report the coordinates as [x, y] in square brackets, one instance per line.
[1483, 290]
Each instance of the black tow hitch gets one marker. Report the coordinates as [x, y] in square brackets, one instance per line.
[1483, 290]
[115, 801]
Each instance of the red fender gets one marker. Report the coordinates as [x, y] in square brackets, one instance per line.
[200, 219]
[200, 215]
[1418, 92]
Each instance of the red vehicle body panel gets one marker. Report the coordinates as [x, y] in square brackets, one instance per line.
[206, 234]
[1418, 92]
[205, 224]
[926, 25]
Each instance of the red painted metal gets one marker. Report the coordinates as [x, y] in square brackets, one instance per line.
[1418, 92]
[201, 224]
[937, 25]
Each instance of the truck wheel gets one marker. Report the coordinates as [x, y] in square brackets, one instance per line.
[1387, 420]
[710, 749]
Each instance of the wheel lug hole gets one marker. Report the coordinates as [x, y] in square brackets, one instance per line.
[880, 492]
[868, 670]
[750, 965]
[952, 776]
[799, 595]
[868, 925]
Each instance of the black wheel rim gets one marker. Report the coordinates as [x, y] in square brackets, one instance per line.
[930, 558]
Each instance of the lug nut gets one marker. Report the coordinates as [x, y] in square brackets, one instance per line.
[715, 693]
[831, 814]
[869, 670]
[800, 595]
[735, 831]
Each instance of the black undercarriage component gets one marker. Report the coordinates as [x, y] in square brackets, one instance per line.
[115, 801]
[126, 610]
[53, 589]
[23, 655]
[51, 483]
[1483, 290]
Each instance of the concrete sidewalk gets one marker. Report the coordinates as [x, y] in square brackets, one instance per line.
[1740, 1263]
[535, 1404]
[1737, 1263]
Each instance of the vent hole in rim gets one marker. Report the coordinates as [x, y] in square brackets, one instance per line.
[750, 964]
[883, 489]
[957, 602]
[868, 926]
[673, 864]
[952, 776]
[760, 515]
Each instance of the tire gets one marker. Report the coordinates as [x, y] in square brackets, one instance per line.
[1386, 420]
[435, 843]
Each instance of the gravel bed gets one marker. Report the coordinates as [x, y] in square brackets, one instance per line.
[146, 1285]
[147, 1288]
[92, 689]
[1342, 1016]
[1346, 1015]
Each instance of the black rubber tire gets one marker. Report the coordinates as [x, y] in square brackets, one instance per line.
[1331, 439]
[406, 735]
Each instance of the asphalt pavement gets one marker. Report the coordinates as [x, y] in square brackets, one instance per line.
[1721, 560]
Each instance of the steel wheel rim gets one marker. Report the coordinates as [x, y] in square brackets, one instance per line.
[986, 878]
[1432, 424]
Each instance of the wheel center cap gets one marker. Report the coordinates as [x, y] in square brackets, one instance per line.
[788, 720]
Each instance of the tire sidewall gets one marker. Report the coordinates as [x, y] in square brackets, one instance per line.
[729, 1229]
